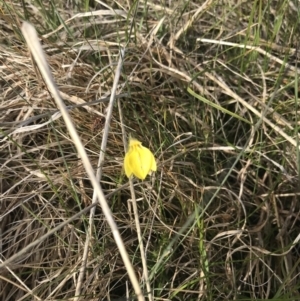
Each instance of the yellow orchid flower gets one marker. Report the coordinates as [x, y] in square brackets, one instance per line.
[139, 160]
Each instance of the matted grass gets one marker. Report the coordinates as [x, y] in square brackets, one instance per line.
[211, 87]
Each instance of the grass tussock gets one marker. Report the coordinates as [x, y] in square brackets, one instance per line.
[211, 87]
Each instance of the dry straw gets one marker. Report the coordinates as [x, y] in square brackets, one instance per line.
[37, 52]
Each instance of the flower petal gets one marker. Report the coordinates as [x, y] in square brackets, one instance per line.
[139, 160]
[127, 166]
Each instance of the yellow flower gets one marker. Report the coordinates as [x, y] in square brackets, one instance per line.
[139, 160]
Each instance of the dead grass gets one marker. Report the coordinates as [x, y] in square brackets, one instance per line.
[220, 221]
